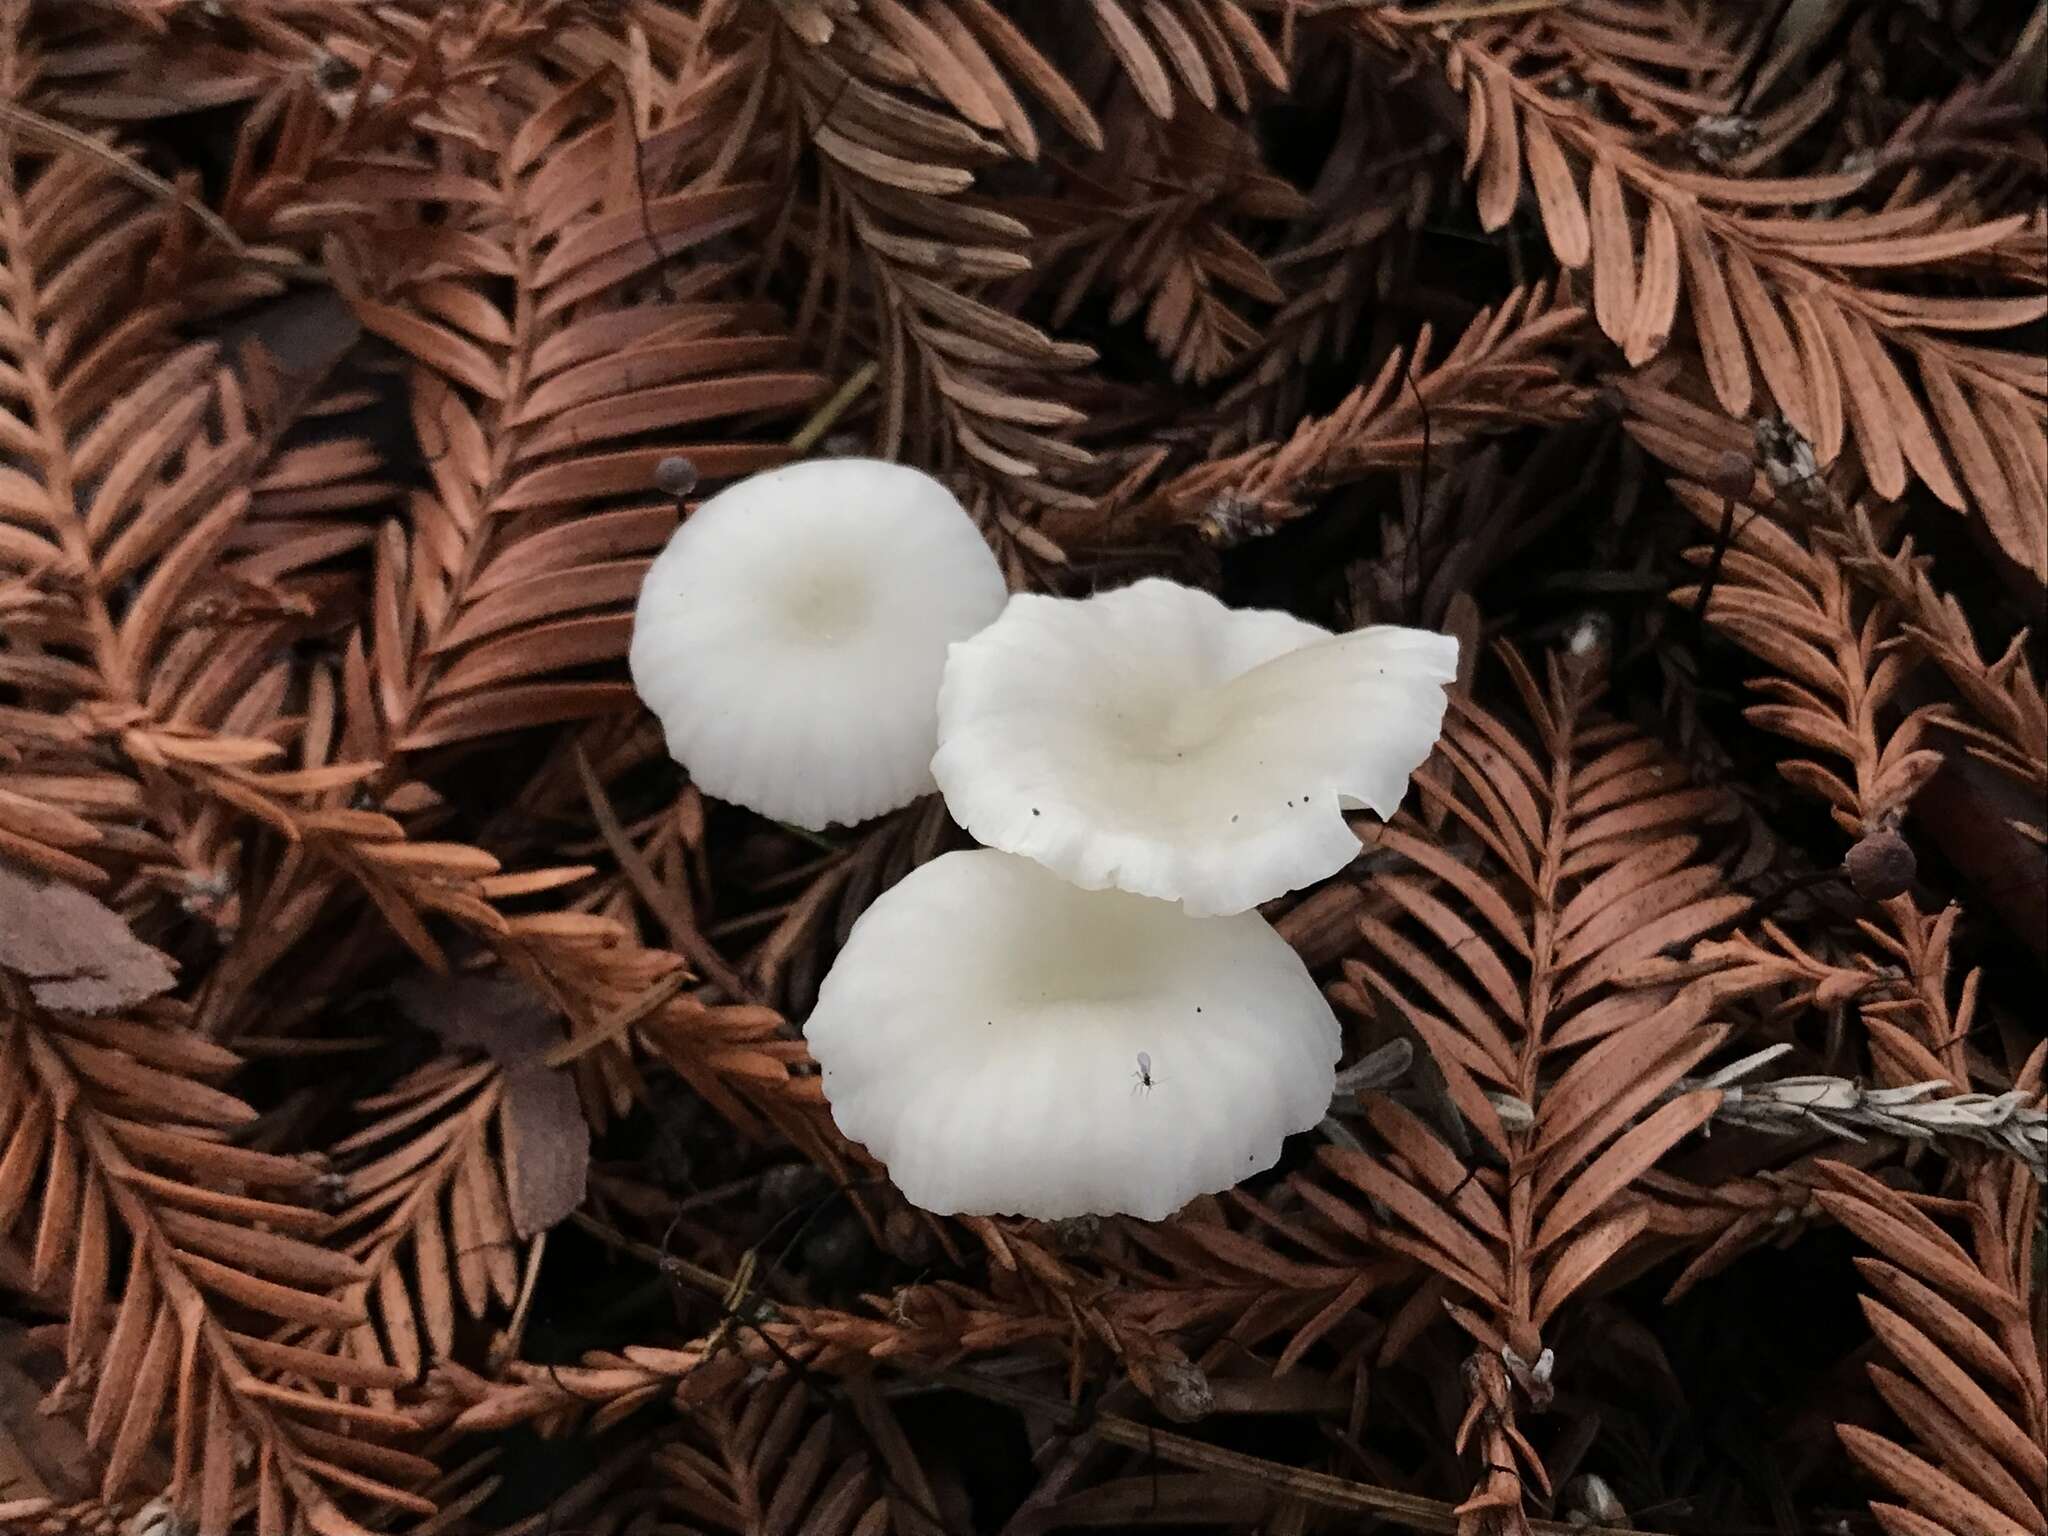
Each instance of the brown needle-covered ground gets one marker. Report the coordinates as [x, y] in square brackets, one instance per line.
[405, 1119]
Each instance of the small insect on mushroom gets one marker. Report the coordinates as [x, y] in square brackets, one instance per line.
[1143, 1074]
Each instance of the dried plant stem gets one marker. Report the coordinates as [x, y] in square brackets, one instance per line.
[615, 1026]
[675, 920]
[515, 1329]
[828, 414]
[51, 134]
[2009, 1122]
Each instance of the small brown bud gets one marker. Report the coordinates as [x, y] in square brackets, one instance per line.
[675, 476]
[1734, 474]
[1881, 865]
[1180, 1389]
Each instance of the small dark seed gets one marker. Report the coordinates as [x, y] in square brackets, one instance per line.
[1881, 865]
[1733, 474]
[675, 476]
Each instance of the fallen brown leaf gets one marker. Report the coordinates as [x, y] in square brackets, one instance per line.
[75, 952]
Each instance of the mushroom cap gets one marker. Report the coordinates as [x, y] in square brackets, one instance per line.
[981, 1032]
[792, 634]
[1153, 740]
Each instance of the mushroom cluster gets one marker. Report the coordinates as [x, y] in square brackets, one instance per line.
[1085, 1016]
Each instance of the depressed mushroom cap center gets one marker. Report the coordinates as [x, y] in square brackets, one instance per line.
[1166, 722]
[824, 605]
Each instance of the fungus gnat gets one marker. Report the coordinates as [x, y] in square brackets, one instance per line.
[1143, 1075]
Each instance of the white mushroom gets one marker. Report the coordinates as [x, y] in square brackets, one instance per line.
[1153, 740]
[792, 634]
[1007, 1043]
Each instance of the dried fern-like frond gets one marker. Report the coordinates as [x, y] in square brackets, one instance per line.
[184, 1251]
[1799, 612]
[427, 1216]
[1505, 369]
[603, 1388]
[557, 399]
[1792, 298]
[155, 572]
[1151, 228]
[774, 1461]
[760, 1449]
[2006, 719]
[894, 232]
[1783, 598]
[100, 66]
[1963, 1369]
[1515, 972]
[1170, 53]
